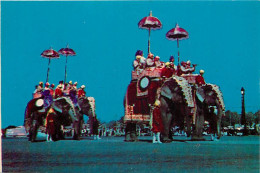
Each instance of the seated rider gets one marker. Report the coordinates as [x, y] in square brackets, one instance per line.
[52, 90]
[75, 85]
[81, 91]
[186, 67]
[47, 95]
[58, 91]
[150, 61]
[172, 65]
[139, 62]
[158, 63]
[167, 71]
[73, 96]
[66, 90]
[200, 79]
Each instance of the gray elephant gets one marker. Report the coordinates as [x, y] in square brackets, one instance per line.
[175, 96]
[176, 105]
[35, 114]
[210, 107]
[85, 108]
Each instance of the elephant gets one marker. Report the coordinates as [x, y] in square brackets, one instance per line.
[86, 108]
[35, 114]
[210, 107]
[176, 106]
[175, 96]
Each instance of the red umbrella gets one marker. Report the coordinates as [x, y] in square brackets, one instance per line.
[50, 54]
[67, 52]
[149, 23]
[177, 33]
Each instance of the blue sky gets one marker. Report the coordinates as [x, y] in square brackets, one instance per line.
[223, 40]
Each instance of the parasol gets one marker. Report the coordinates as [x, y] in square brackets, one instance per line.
[177, 33]
[150, 22]
[66, 52]
[50, 54]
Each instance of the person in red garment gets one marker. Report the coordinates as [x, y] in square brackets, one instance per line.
[50, 126]
[200, 79]
[167, 71]
[81, 91]
[157, 125]
[58, 91]
[52, 90]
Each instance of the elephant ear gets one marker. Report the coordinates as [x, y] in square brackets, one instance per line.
[219, 94]
[166, 92]
[200, 94]
[166, 89]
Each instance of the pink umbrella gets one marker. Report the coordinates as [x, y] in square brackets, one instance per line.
[149, 23]
[177, 33]
[50, 54]
[67, 52]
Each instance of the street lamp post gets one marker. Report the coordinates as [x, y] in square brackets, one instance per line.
[243, 113]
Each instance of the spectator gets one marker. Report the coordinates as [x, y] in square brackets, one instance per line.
[95, 128]
[157, 125]
[50, 126]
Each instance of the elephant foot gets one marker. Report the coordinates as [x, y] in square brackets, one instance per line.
[197, 138]
[130, 138]
[133, 137]
[76, 137]
[166, 140]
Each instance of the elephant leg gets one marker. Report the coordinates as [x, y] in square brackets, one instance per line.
[76, 135]
[219, 128]
[188, 125]
[197, 135]
[34, 130]
[130, 132]
[166, 116]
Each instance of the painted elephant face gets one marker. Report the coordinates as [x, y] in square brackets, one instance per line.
[173, 93]
[211, 97]
[85, 106]
[65, 106]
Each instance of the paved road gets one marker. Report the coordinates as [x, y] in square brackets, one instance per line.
[112, 155]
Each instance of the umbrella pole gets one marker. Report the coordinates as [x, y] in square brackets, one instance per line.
[149, 41]
[48, 70]
[65, 70]
[178, 52]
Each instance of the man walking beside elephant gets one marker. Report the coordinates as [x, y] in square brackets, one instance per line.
[157, 125]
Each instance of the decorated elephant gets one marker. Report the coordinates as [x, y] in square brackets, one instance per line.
[35, 114]
[211, 108]
[176, 105]
[86, 106]
[175, 95]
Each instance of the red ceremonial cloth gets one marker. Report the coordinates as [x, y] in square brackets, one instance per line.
[141, 103]
[157, 120]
